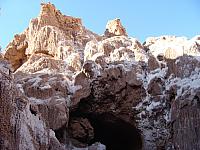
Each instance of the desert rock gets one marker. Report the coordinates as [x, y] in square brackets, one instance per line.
[64, 87]
[115, 28]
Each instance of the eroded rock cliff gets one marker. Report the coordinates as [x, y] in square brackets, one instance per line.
[64, 87]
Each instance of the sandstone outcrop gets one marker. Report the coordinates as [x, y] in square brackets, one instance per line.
[115, 28]
[63, 87]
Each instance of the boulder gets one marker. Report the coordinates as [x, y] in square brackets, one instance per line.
[81, 130]
[156, 86]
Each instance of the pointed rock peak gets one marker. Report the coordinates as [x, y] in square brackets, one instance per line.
[48, 9]
[115, 28]
[49, 15]
[45, 6]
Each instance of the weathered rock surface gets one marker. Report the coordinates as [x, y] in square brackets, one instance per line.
[20, 129]
[7, 97]
[185, 119]
[114, 50]
[63, 87]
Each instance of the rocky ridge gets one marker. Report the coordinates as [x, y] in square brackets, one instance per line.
[65, 87]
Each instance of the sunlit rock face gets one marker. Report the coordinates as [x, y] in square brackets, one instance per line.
[63, 87]
[115, 28]
[51, 33]
[172, 47]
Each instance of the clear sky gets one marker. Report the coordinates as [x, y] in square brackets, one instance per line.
[141, 18]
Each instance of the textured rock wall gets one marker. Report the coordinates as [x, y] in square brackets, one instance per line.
[185, 125]
[8, 135]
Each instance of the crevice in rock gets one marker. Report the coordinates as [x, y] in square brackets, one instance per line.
[34, 112]
[61, 134]
[44, 52]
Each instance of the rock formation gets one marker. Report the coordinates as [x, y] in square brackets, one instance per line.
[63, 87]
[114, 28]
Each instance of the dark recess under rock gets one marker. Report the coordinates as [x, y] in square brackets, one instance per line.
[115, 133]
[111, 131]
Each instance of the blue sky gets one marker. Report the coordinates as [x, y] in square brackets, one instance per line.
[141, 18]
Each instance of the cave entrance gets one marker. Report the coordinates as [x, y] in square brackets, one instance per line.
[115, 133]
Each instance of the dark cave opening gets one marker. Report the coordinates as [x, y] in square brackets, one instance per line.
[115, 133]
